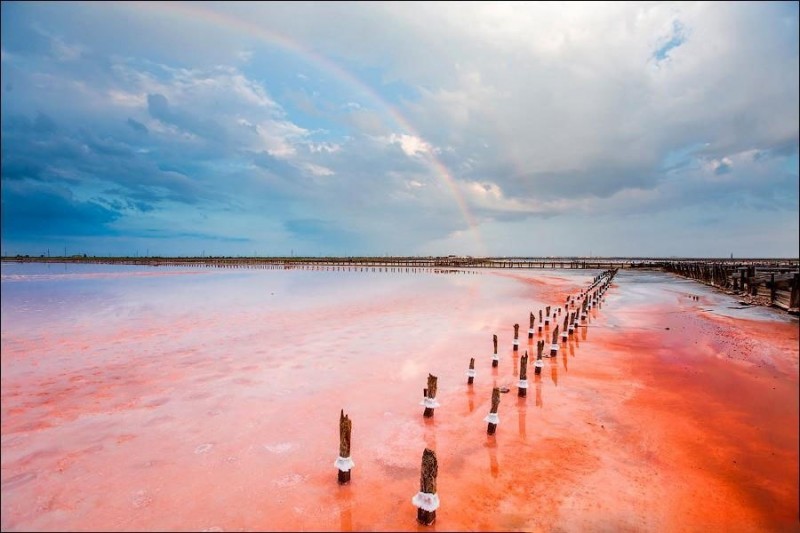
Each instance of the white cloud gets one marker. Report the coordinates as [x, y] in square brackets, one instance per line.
[324, 147]
[318, 170]
[411, 145]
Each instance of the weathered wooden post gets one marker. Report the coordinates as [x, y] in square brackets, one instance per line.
[540, 321]
[564, 334]
[492, 417]
[495, 357]
[429, 401]
[547, 316]
[537, 366]
[516, 337]
[426, 500]
[554, 344]
[344, 463]
[772, 288]
[530, 327]
[794, 295]
[522, 386]
[471, 371]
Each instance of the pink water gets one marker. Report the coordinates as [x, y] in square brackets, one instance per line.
[140, 398]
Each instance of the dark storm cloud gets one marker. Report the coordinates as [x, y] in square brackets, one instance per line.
[37, 210]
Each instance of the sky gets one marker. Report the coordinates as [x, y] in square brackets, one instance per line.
[653, 129]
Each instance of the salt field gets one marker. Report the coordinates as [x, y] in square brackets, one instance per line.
[205, 399]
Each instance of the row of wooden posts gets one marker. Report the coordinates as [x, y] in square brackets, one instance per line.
[778, 284]
[427, 499]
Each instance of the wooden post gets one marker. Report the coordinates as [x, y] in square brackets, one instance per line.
[495, 357]
[564, 333]
[794, 295]
[547, 316]
[522, 388]
[772, 288]
[492, 417]
[516, 337]
[530, 327]
[539, 363]
[430, 397]
[471, 371]
[426, 500]
[344, 463]
[540, 321]
[554, 344]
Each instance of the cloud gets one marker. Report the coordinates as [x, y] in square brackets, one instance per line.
[410, 144]
[537, 112]
[45, 211]
[318, 170]
[136, 125]
[721, 166]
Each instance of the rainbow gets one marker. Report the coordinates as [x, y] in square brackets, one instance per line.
[204, 14]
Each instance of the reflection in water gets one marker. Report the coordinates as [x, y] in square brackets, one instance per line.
[554, 370]
[584, 331]
[471, 399]
[521, 417]
[564, 356]
[538, 380]
[344, 498]
[516, 364]
[491, 445]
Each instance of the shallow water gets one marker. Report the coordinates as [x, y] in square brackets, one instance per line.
[174, 398]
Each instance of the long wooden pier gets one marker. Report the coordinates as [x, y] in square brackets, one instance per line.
[783, 265]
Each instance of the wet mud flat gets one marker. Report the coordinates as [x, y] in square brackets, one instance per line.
[210, 400]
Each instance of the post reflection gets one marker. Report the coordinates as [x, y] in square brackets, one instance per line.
[344, 500]
[494, 466]
[538, 380]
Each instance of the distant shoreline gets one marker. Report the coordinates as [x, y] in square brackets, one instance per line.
[757, 281]
[458, 261]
